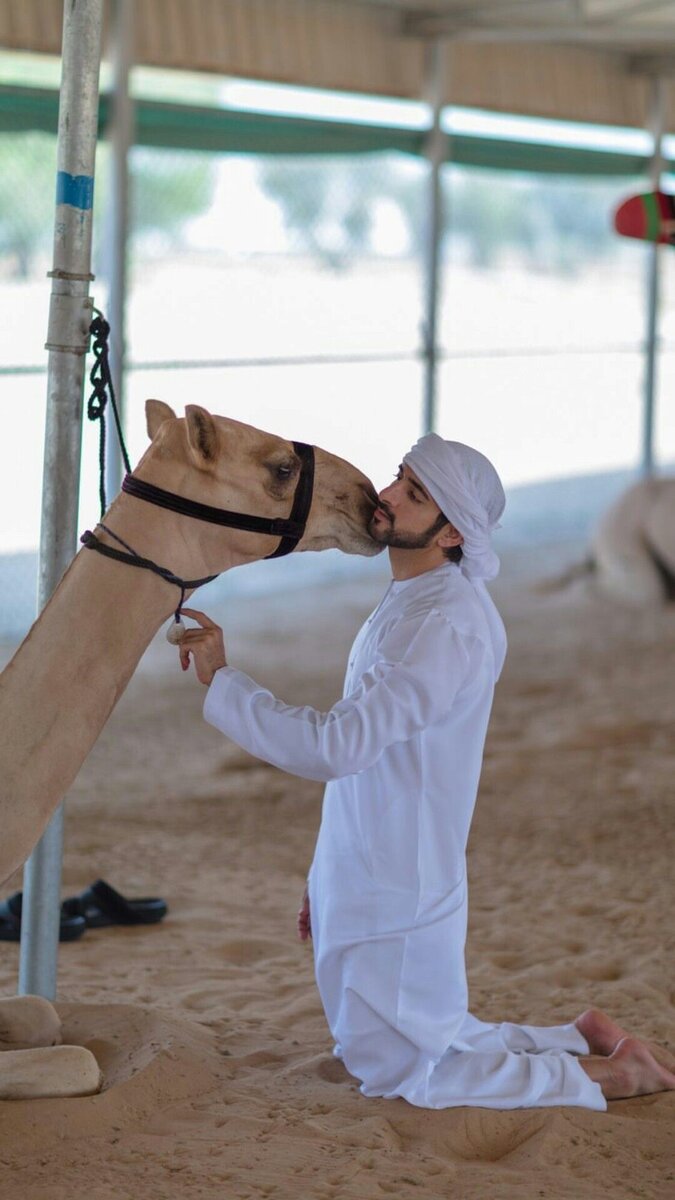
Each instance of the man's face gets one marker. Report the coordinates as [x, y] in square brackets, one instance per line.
[407, 518]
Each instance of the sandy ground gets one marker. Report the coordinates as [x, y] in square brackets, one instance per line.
[219, 1080]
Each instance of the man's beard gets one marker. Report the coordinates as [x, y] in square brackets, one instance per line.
[400, 540]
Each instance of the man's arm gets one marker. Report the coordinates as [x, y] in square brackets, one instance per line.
[393, 701]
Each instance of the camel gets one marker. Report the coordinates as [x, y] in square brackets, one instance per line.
[88, 640]
[634, 544]
[632, 555]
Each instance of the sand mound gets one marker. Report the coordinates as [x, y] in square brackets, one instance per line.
[150, 1061]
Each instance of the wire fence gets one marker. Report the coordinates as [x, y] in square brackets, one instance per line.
[287, 293]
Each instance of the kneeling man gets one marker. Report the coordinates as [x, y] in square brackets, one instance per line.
[401, 754]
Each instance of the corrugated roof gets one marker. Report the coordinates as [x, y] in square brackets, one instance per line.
[574, 59]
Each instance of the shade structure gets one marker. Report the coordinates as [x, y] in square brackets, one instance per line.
[580, 60]
[231, 131]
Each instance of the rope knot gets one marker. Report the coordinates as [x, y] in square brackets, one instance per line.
[102, 386]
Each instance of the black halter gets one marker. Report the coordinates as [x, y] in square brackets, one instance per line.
[289, 529]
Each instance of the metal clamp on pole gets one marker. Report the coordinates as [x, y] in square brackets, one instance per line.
[69, 315]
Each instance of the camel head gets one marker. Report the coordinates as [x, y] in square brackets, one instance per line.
[228, 465]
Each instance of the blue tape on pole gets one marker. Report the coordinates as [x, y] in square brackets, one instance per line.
[75, 190]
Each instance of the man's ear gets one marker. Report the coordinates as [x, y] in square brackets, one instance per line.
[156, 413]
[202, 436]
[450, 537]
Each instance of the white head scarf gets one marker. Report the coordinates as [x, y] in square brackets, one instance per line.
[468, 491]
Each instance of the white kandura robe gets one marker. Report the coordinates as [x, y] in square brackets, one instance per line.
[402, 754]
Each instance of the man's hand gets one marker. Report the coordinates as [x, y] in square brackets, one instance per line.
[206, 646]
[304, 921]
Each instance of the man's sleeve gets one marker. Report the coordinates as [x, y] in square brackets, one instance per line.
[393, 701]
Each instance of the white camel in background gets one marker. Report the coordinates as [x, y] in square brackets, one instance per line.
[66, 677]
[632, 555]
[634, 544]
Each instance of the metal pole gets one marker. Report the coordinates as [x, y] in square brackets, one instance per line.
[436, 150]
[67, 339]
[120, 134]
[657, 115]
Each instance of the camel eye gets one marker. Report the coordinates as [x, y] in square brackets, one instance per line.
[283, 471]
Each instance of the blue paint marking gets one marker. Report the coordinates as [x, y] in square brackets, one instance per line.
[75, 190]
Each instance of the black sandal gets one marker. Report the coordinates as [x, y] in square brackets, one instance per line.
[101, 905]
[72, 924]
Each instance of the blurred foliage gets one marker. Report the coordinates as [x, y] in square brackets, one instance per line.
[332, 207]
[166, 191]
[27, 186]
[550, 222]
[553, 223]
[326, 204]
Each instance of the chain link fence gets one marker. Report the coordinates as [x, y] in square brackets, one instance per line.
[287, 292]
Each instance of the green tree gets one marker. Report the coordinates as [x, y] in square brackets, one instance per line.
[327, 204]
[575, 219]
[166, 190]
[488, 211]
[27, 186]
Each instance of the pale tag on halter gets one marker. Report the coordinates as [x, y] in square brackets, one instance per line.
[176, 632]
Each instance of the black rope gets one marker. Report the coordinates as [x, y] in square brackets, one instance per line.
[102, 384]
[133, 559]
[103, 389]
[290, 530]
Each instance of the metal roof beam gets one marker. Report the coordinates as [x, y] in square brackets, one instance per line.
[652, 65]
[447, 26]
[628, 9]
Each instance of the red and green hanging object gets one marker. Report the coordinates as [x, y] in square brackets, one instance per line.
[650, 217]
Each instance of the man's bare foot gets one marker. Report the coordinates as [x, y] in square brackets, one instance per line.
[630, 1071]
[601, 1032]
[603, 1036]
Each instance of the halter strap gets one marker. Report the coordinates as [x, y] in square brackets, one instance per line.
[132, 559]
[302, 500]
[289, 529]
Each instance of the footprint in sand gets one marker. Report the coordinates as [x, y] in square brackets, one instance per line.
[603, 972]
[257, 1058]
[245, 951]
[606, 972]
[332, 1070]
[507, 961]
[571, 947]
[243, 762]
[484, 1137]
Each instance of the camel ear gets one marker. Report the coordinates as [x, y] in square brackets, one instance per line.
[156, 413]
[202, 436]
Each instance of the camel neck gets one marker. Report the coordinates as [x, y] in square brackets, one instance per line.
[123, 553]
[68, 674]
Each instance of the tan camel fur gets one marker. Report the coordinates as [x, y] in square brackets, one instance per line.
[66, 677]
[634, 544]
[632, 556]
